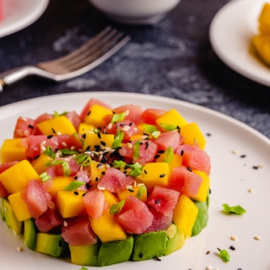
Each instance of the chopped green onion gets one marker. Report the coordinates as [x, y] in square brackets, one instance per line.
[224, 255]
[44, 177]
[136, 150]
[136, 169]
[75, 134]
[49, 152]
[56, 114]
[83, 159]
[64, 164]
[74, 185]
[83, 268]
[142, 190]
[156, 134]
[68, 152]
[168, 155]
[169, 127]
[118, 139]
[117, 117]
[149, 128]
[119, 164]
[116, 208]
[233, 210]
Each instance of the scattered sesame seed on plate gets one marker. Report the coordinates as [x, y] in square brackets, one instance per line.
[257, 237]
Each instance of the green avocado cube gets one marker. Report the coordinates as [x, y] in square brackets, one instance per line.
[85, 255]
[149, 245]
[8, 216]
[115, 252]
[202, 218]
[175, 241]
[30, 234]
[50, 244]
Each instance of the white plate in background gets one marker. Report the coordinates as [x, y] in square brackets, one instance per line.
[234, 149]
[231, 31]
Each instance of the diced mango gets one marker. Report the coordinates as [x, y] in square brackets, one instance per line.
[175, 162]
[84, 128]
[192, 134]
[19, 206]
[261, 45]
[16, 177]
[69, 203]
[107, 229]
[155, 173]
[264, 19]
[97, 116]
[39, 164]
[57, 125]
[94, 140]
[204, 188]
[171, 117]
[184, 215]
[59, 183]
[12, 150]
[110, 198]
[133, 192]
[97, 169]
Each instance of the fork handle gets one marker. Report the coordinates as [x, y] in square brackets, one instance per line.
[14, 75]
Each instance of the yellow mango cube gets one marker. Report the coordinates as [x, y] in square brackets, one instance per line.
[155, 173]
[175, 162]
[12, 150]
[97, 169]
[261, 45]
[204, 188]
[133, 192]
[184, 215]
[107, 229]
[19, 206]
[171, 117]
[16, 177]
[110, 198]
[264, 20]
[193, 135]
[97, 116]
[84, 128]
[59, 183]
[56, 126]
[69, 203]
[93, 140]
[39, 164]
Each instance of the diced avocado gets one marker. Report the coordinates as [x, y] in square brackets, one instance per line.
[115, 252]
[51, 244]
[85, 255]
[8, 215]
[149, 245]
[176, 239]
[202, 218]
[30, 234]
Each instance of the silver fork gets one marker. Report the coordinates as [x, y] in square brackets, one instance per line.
[87, 57]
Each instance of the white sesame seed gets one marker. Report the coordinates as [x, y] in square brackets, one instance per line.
[64, 144]
[257, 237]
[129, 187]
[58, 133]
[129, 145]
[43, 143]
[127, 112]
[108, 166]
[250, 190]
[42, 148]
[109, 126]
[24, 118]
[101, 188]
[57, 155]
[126, 128]
[209, 267]
[234, 152]
[233, 238]
[72, 148]
[20, 249]
[65, 224]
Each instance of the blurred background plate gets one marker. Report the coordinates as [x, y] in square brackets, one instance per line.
[18, 14]
[231, 31]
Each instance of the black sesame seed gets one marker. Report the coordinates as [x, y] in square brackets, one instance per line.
[130, 124]
[162, 175]
[145, 171]
[182, 153]
[157, 259]
[96, 179]
[84, 136]
[157, 201]
[99, 135]
[189, 169]
[88, 185]
[36, 157]
[103, 173]
[88, 148]
[232, 247]
[75, 177]
[76, 193]
[49, 137]
[53, 130]
[140, 255]
[161, 151]
[102, 143]
[89, 113]
[130, 190]
[146, 145]
[156, 156]
[30, 126]
[255, 167]
[243, 156]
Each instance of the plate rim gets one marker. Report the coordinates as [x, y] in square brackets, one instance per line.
[24, 22]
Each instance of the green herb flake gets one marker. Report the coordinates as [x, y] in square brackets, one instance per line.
[118, 139]
[149, 128]
[74, 185]
[224, 255]
[142, 190]
[136, 169]
[68, 152]
[136, 150]
[84, 268]
[117, 117]
[83, 159]
[169, 127]
[233, 210]
[44, 177]
[56, 114]
[116, 208]
[49, 152]
[119, 164]
[62, 162]
[168, 155]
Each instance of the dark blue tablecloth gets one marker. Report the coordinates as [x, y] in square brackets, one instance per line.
[172, 58]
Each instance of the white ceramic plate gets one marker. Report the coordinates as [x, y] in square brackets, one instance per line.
[18, 14]
[231, 177]
[230, 33]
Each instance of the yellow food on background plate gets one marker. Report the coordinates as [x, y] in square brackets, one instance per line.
[261, 42]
